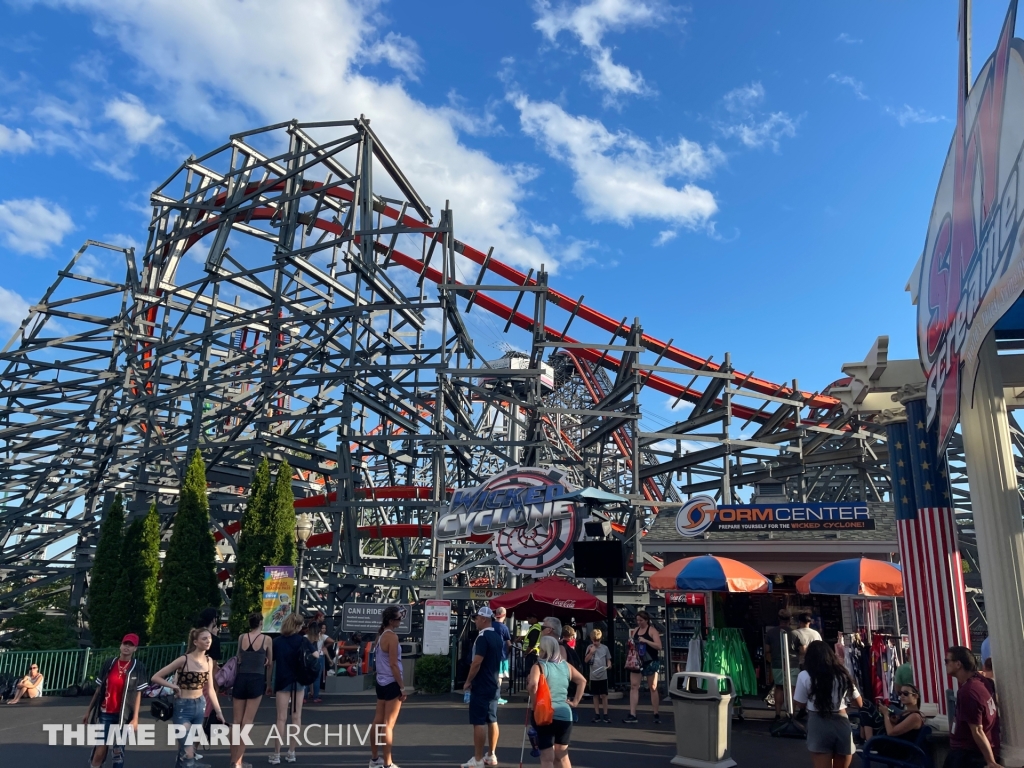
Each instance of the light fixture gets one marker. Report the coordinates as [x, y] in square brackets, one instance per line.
[303, 527]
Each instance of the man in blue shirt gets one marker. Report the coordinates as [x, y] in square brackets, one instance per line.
[483, 683]
[506, 648]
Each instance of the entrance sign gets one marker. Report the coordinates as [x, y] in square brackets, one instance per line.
[972, 269]
[702, 514]
[436, 626]
[365, 618]
[534, 527]
[278, 588]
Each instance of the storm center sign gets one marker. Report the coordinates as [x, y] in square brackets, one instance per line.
[972, 269]
[701, 514]
[534, 526]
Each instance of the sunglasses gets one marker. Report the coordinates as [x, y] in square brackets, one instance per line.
[906, 693]
[33, 667]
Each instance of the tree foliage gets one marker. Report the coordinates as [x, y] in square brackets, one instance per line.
[257, 543]
[31, 629]
[283, 511]
[106, 570]
[135, 598]
[189, 578]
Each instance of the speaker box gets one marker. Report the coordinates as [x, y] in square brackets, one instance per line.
[599, 560]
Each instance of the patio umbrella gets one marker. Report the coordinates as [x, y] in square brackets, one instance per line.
[707, 572]
[858, 576]
[552, 596]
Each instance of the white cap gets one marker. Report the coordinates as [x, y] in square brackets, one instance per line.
[486, 612]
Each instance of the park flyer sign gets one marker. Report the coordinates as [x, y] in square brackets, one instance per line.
[278, 590]
[701, 514]
[972, 268]
[533, 526]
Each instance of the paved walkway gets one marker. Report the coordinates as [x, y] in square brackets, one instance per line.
[432, 731]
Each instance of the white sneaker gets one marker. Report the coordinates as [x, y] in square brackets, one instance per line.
[290, 757]
[378, 763]
[274, 759]
[490, 759]
[472, 763]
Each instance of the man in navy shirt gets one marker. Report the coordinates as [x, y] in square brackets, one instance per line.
[484, 684]
[506, 648]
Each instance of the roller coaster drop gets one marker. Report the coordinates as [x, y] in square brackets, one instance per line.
[304, 303]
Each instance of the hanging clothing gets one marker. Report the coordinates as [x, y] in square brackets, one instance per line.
[726, 653]
[694, 655]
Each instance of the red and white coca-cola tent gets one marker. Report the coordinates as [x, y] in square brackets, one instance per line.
[552, 596]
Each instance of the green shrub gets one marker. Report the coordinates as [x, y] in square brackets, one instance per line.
[106, 570]
[434, 674]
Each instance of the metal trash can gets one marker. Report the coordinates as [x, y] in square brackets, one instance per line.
[703, 716]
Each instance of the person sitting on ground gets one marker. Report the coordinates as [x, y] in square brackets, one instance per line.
[31, 685]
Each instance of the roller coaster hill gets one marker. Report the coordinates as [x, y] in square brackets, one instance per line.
[297, 299]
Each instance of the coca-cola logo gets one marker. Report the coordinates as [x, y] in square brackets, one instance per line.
[564, 603]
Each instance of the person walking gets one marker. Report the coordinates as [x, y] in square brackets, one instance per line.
[803, 636]
[974, 740]
[31, 685]
[117, 697]
[647, 641]
[825, 689]
[193, 684]
[552, 627]
[773, 656]
[483, 686]
[289, 648]
[506, 649]
[599, 657]
[252, 678]
[390, 684]
[553, 738]
[316, 633]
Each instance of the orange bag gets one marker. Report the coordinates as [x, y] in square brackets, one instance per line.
[543, 711]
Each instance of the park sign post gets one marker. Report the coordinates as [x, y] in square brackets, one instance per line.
[972, 269]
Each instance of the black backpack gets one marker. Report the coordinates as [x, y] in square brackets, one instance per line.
[309, 664]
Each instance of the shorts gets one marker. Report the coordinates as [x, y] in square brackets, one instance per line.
[777, 676]
[249, 685]
[293, 688]
[829, 735]
[599, 687]
[557, 732]
[389, 692]
[651, 668]
[482, 711]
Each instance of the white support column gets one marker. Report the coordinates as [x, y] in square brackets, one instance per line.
[997, 520]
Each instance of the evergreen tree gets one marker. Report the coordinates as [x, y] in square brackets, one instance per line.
[106, 570]
[189, 576]
[256, 544]
[136, 594]
[283, 510]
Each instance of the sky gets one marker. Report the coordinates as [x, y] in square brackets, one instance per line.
[747, 177]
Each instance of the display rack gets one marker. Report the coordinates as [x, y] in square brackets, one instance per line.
[685, 617]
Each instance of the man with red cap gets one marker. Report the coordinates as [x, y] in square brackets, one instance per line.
[119, 687]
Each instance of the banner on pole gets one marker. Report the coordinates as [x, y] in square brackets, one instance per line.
[278, 588]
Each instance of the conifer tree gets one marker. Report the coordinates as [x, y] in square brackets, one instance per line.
[256, 544]
[136, 595]
[189, 577]
[283, 510]
[106, 570]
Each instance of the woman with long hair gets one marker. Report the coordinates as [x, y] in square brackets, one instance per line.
[193, 684]
[553, 738]
[647, 641]
[252, 678]
[390, 684]
[906, 724]
[316, 633]
[288, 650]
[825, 688]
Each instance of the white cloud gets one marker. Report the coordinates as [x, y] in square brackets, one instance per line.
[14, 141]
[133, 117]
[589, 22]
[665, 236]
[398, 51]
[32, 226]
[307, 67]
[848, 39]
[755, 129]
[907, 115]
[13, 308]
[620, 177]
[677, 404]
[856, 85]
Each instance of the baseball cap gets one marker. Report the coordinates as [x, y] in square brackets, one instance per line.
[484, 611]
[132, 638]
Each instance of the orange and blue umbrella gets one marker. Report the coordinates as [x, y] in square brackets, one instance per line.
[858, 576]
[710, 573]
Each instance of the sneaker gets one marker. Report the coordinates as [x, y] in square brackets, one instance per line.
[290, 757]
[274, 759]
[607, 719]
[597, 719]
[657, 719]
[377, 763]
[472, 763]
[503, 701]
[318, 701]
[630, 719]
[490, 759]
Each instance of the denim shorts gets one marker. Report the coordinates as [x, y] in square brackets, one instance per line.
[188, 712]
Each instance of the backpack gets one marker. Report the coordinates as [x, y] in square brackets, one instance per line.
[543, 711]
[309, 664]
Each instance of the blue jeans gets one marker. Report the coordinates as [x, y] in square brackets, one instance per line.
[188, 712]
[107, 720]
[314, 689]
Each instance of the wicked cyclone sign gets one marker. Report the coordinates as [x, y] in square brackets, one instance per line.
[972, 270]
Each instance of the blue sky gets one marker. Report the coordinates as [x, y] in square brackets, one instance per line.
[748, 177]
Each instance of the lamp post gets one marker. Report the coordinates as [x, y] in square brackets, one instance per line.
[303, 528]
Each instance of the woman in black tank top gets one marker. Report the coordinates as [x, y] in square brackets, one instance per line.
[255, 659]
[647, 641]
